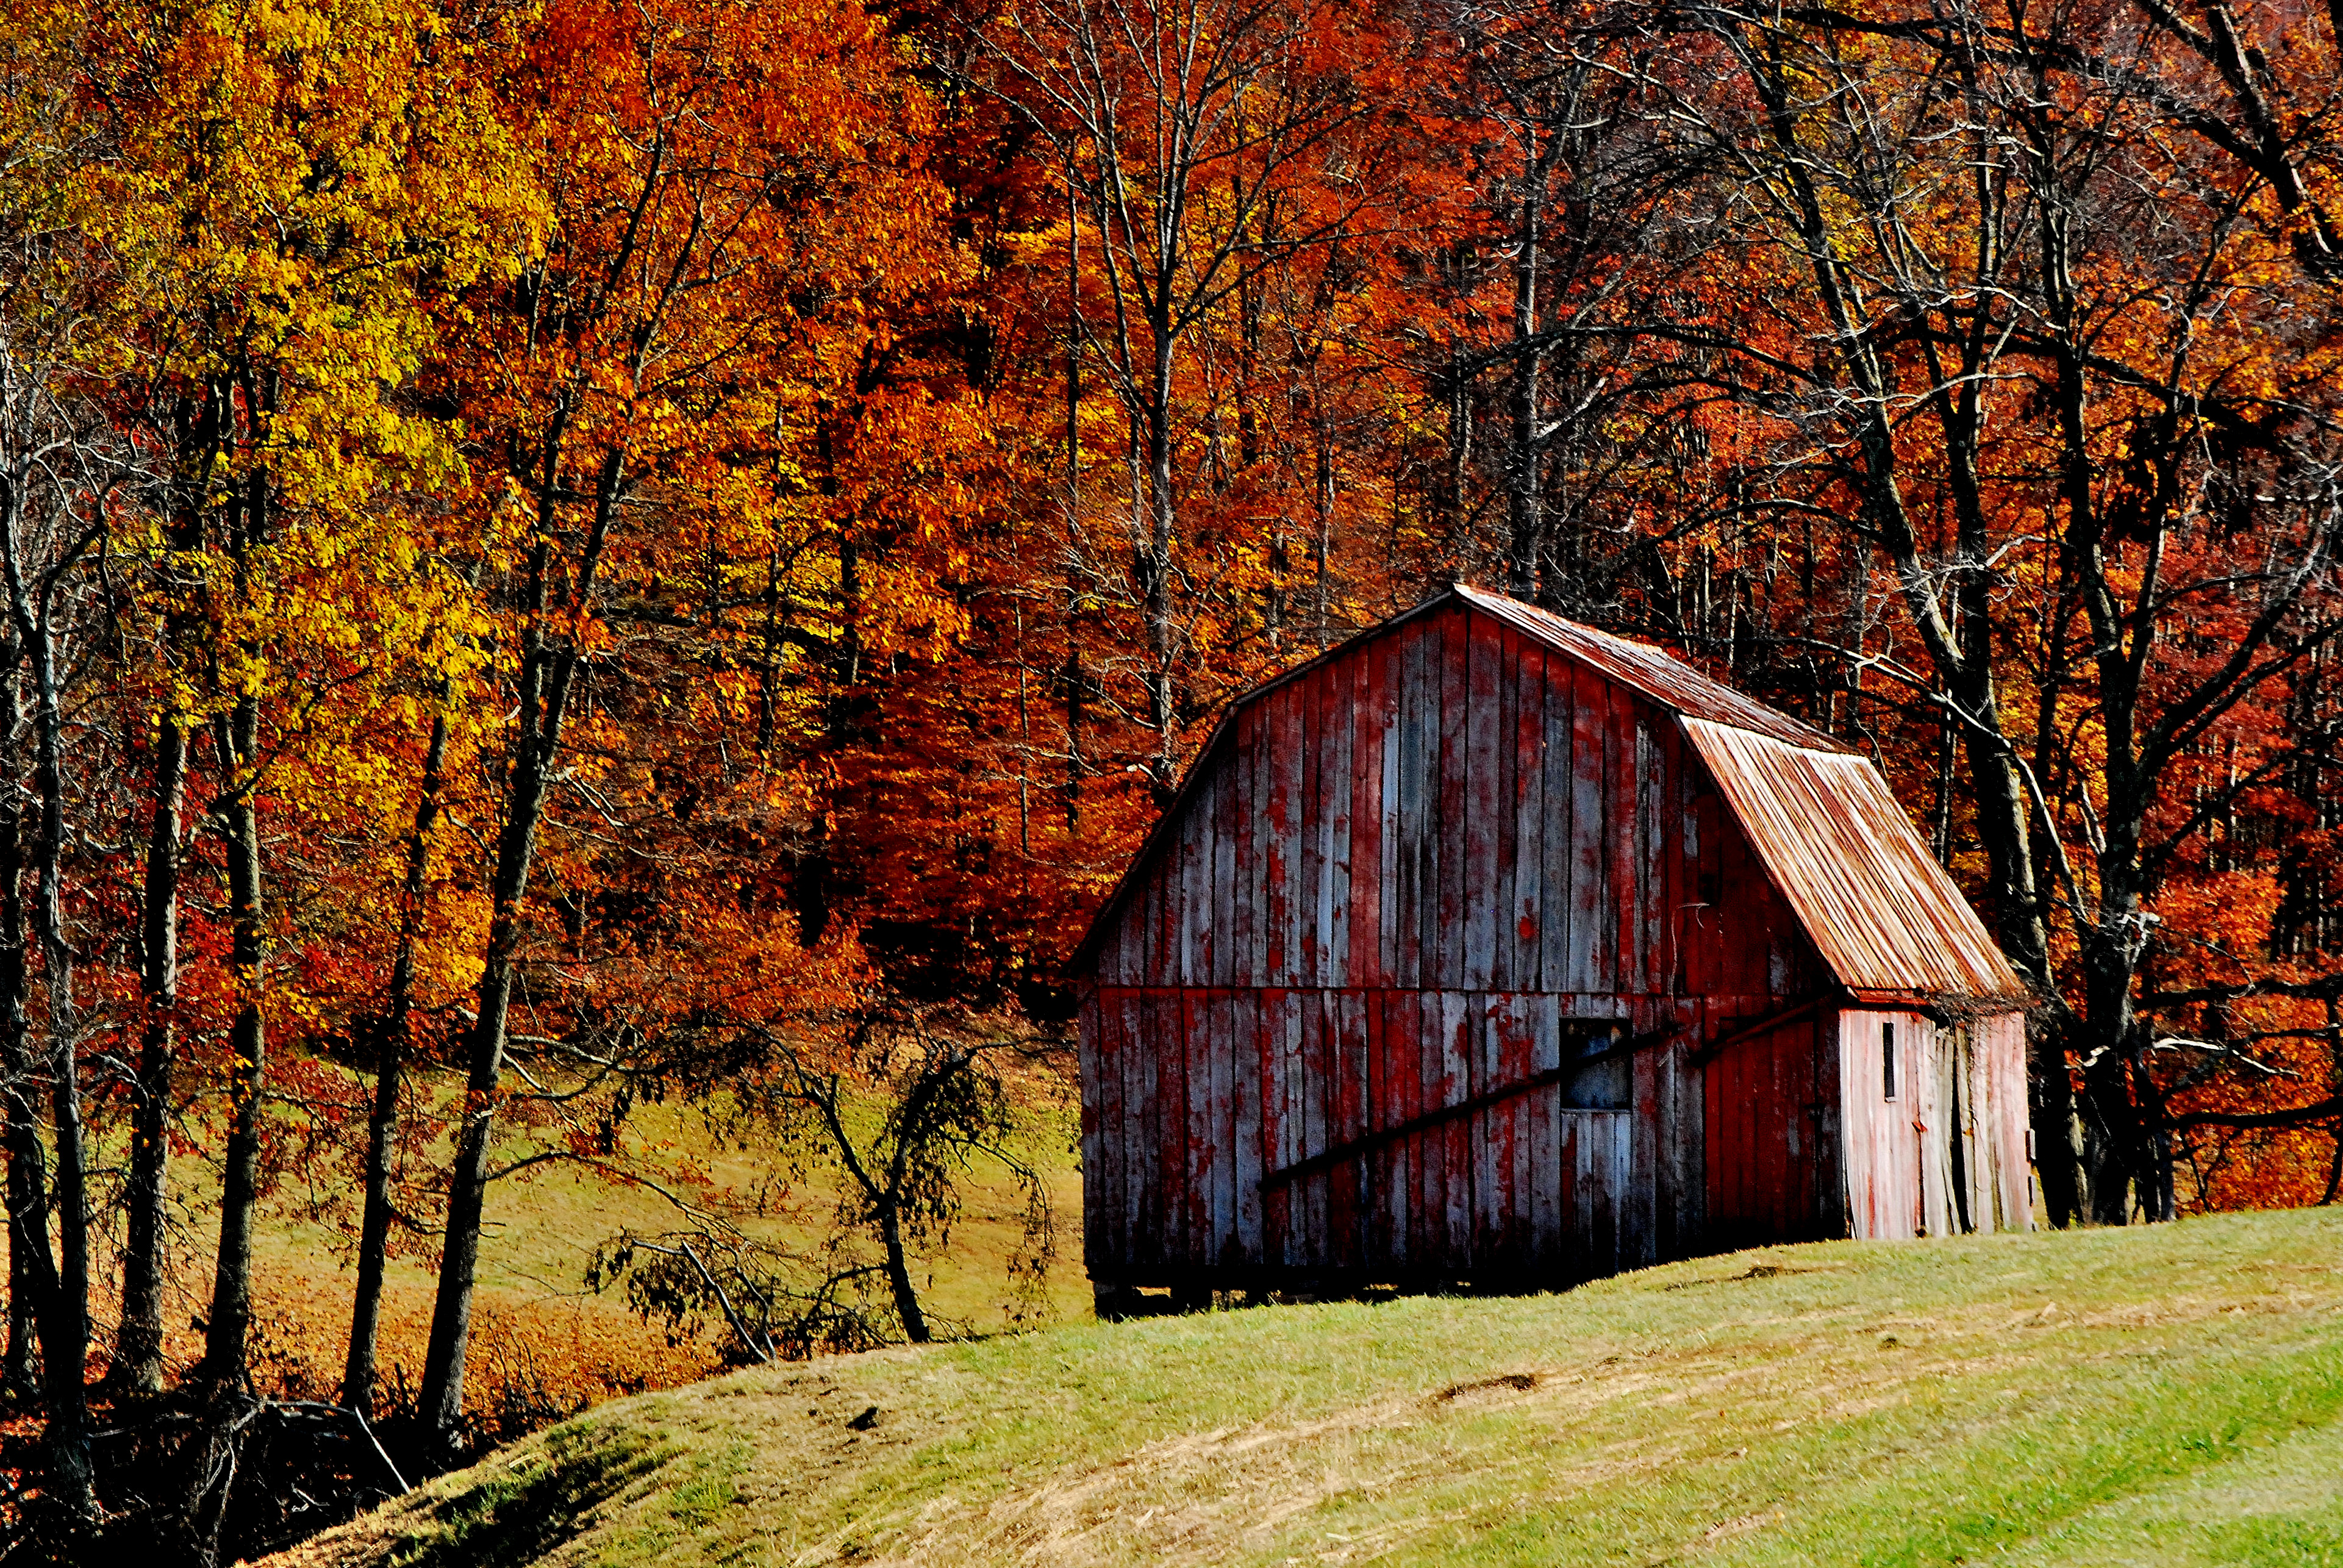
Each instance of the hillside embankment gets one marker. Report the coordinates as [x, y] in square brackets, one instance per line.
[2168, 1395]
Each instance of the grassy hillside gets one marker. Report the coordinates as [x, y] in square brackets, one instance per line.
[2170, 1395]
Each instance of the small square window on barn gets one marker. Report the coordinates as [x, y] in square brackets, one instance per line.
[1887, 1059]
[1607, 1082]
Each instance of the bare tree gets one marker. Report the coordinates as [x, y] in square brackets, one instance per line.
[1954, 342]
[1201, 147]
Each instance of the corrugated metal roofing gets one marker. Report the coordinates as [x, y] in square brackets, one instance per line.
[1658, 674]
[1876, 905]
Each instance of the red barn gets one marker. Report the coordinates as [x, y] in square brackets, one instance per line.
[1491, 948]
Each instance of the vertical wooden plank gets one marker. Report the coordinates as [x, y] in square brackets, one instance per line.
[1459, 1011]
[1428, 1216]
[1195, 896]
[1337, 798]
[1577, 1242]
[1483, 784]
[1362, 856]
[2011, 1118]
[1591, 955]
[1408, 818]
[1525, 914]
[1133, 1138]
[1277, 1204]
[1504, 828]
[1309, 839]
[1650, 843]
[1382, 1245]
[1116, 1019]
[1541, 1024]
[1147, 913]
[1595, 1195]
[1299, 1005]
[1319, 1067]
[1673, 893]
[1391, 665]
[1394, 1095]
[1855, 1122]
[1347, 1215]
[1528, 1112]
[1195, 1177]
[1227, 814]
[1484, 1133]
[1638, 1221]
[1244, 959]
[1283, 737]
[1830, 1154]
[1452, 816]
[1225, 1130]
[1146, 1154]
[1556, 970]
[1704, 960]
[1621, 1182]
[1245, 1086]
[1627, 902]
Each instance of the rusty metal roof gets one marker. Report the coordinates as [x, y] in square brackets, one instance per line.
[1878, 908]
[1656, 673]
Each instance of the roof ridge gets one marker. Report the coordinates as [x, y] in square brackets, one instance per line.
[1666, 679]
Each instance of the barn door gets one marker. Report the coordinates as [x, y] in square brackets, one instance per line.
[1596, 1147]
[1771, 1131]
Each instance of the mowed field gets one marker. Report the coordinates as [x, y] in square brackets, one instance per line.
[539, 1332]
[2166, 1395]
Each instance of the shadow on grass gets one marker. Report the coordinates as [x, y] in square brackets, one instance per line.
[543, 1501]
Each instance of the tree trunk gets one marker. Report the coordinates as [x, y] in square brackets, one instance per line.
[28, 1226]
[138, 1346]
[1524, 489]
[1155, 525]
[64, 1292]
[238, 735]
[547, 670]
[898, 1277]
[390, 1044]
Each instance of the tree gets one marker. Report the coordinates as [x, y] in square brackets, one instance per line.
[722, 179]
[1200, 150]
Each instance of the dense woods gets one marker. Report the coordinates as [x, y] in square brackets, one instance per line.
[569, 554]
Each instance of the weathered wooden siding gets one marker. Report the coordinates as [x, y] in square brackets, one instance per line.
[1215, 1089]
[1454, 808]
[1884, 1137]
[1773, 1166]
[1998, 1047]
[1948, 1153]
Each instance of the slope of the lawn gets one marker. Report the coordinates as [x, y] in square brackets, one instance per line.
[2168, 1395]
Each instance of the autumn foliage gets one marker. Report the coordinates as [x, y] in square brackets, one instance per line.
[559, 555]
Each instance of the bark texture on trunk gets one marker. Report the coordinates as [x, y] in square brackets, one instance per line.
[390, 1046]
[28, 1205]
[138, 1345]
[547, 667]
[228, 1332]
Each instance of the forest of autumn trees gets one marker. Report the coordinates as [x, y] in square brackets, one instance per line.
[564, 555]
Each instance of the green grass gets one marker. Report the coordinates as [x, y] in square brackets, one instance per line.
[2154, 1395]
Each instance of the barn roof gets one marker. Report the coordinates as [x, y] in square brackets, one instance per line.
[1658, 675]
[1843, 851]
[1882, 913]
